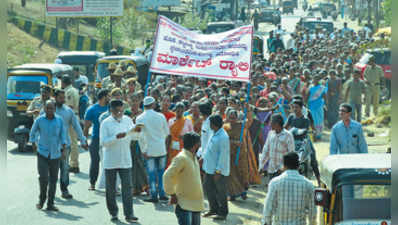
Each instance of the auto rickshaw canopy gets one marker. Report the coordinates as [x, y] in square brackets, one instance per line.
[343, 169]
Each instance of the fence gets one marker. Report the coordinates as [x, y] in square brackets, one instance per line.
[64, 39]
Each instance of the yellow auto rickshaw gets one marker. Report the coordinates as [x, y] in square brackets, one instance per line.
[357, 189]
[23, 85]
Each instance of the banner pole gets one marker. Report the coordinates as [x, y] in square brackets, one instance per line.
[148, 80]
[243, 124]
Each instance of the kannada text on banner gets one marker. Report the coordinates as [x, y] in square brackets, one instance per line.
[179, 51]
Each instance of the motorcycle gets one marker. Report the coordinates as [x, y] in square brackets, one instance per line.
[303, 149]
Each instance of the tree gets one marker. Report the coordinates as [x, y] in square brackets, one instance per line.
[387, 8]
[193, 22]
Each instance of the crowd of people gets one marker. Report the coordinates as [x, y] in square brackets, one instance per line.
[184, 138]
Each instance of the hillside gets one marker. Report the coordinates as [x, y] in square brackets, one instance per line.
[24, 48]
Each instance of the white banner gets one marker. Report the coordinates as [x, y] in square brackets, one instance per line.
[84, 8]
[179, 51]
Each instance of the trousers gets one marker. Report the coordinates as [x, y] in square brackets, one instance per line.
[64, 171]
[372, 98]
[127, 198]
[155, 168]
[74, 153]
[186, 217]
[95, 160]
[48, 176]
[216, 194]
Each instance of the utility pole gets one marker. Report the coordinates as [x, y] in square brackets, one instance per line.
[377, 7]
[110, 31]
[369, 12]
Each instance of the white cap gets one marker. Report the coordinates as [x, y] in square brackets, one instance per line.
[148, 100]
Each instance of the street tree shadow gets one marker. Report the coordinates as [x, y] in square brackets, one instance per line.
[63, 215]
[74, 202]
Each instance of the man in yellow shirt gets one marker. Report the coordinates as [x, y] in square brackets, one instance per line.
[372, 76]
[72, 100]
[182, 181]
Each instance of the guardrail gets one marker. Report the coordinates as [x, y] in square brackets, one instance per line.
[64, 39]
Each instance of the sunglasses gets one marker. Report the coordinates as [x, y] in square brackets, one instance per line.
[343, 111]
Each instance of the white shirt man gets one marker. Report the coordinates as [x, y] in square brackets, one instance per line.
[116, 133]
[116, 151]
[154, 133]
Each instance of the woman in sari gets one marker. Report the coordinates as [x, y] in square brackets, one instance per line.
[238, 180]
[139, 175]
[333, 96]
[194, 116]
[316, 101]
[179, 126]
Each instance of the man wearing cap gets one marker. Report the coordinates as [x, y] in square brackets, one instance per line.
[155, 131]
[107, 80]
[130, 72]
[72, 100]
[372, 76]
[117, 79]
[37, 103]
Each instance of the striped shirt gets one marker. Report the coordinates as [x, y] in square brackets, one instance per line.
[290, 200]
[274, 148]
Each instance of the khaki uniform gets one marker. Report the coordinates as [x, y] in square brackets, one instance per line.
[374, 76]
[36, 104]
[72, 100]
[108, 84]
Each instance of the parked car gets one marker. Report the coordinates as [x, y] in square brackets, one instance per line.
[383, 59]
[270, 16]
[219, 27]
[314, 23]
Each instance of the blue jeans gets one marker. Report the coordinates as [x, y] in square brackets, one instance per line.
[64, 171]
[95, 160]
[110, 189]
[155, 168]
[187, 217]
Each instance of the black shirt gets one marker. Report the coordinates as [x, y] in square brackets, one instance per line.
[302, 122]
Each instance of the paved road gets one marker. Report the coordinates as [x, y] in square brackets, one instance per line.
[89, 207]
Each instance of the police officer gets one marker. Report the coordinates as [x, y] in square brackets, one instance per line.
[38, 102]
[107, 80]
[117, 80]
[72, 100]
[372, 76]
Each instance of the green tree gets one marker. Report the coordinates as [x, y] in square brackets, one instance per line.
[103, 30]
[387, 7]
[194, 22]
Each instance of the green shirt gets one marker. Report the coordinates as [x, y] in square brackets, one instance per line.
[356, 88]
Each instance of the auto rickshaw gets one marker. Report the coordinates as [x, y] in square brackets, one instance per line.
[287, 7]
[85, 60]
[258, 45]
[139, 62]
[23, 85]
[356, 189]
